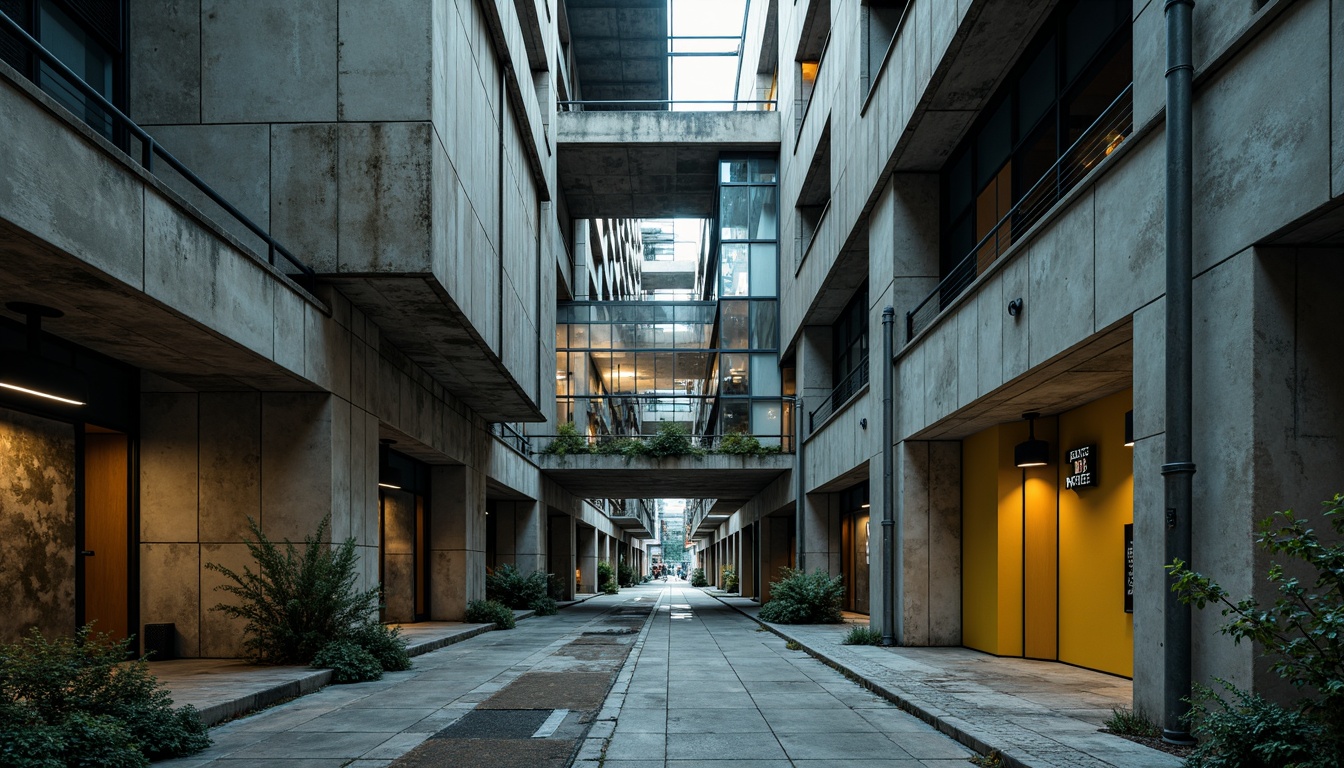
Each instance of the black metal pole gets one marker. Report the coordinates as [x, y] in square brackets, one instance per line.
[1179, 468]
[888, 486]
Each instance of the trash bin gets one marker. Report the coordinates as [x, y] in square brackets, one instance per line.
[161, 641]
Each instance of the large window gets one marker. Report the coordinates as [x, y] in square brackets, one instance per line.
[1032, 142]
[849, 347]
[881, 20]
[88, 37]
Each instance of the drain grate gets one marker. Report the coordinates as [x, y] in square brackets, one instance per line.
[496, 724]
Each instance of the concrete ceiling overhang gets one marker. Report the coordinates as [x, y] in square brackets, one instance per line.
[619, 48]
[121, 322]
[416, 316]
[725, 478]
[652, 164]
[1100, 366]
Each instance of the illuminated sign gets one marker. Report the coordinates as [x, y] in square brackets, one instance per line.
[1082, 468]
[1129, 568]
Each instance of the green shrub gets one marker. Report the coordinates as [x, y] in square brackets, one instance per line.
[606, 577]
[804, 598]
[569, 441]
[1255, 733]
[76, 701]
[348, 662]
[728, 578]
[698, 578]
[507, 585]
[384, 643]
[555, 587]
[862, 636]
[1131, 722]
[491, 612]
[672, 440]
[625, 575]
[742, 444]
[294, 603]
[629, 447]
[1302, 634]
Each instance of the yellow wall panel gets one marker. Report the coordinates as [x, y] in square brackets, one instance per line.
[1094, 630]
[980, 541]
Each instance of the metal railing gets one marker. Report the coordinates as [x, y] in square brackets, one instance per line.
[149, 148]
[707, 443]
[848, 387]
[510, 436]
[1096, 143]
[662, 105]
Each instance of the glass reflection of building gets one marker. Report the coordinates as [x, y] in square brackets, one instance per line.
[711, 366]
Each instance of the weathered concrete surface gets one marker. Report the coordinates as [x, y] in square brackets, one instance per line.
[707, 477]
[652, 164]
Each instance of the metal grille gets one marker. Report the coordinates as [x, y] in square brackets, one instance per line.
[847, 388]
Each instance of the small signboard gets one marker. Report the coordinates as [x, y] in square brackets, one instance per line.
[1082, 468]
[1129, 568]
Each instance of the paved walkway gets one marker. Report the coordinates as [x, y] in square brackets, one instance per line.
[1035, 713]
[374, 724]
[706, 686]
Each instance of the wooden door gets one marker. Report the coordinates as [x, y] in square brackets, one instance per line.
[106, 551]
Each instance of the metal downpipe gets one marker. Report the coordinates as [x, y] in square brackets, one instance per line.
[1179, 467]
[888, 503]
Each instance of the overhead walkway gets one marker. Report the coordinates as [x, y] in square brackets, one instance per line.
[727, 478]
[652, 164]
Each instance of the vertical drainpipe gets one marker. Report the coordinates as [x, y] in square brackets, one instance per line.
[799, 501]
[1179, 468]
[888, 503]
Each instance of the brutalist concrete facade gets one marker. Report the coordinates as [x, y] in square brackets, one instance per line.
[877, 132]
[401, 150]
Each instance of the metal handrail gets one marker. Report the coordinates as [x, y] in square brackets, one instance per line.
[149, 147]
[1115, 124]
[510, 436]
[568, 106]
[848, 387]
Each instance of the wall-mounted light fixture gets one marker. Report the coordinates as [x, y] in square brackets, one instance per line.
[1032, 453]
[29, 373]
[1129, 429]
[1015, 307]
[388, 476]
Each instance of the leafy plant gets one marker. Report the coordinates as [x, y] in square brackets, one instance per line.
[862, 636]
[793, 645]
[296, 603]
[1255, 733]
[743, 444]
[569, 441]
[804, 598]
[728, 578]
[507, 585]
[348, 662]
[490, 612]
[1131, 722]
[991, 760]
[1303, 635]
[672, 440]
[606, 577]
[698, 578]
[76, 701]
[625, 575]
[629, 447]
[384, 643]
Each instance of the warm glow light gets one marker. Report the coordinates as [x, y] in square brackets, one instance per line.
[810, 70]
[1114, 143]
[389, 485]
[36, 393]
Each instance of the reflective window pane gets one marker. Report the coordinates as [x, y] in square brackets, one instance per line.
[733, 212]
[763, 224]
[764, 325]
[764, 266]
[767, 421]
[734, 378]
[765, 379]
[733, 325]
[733, 270]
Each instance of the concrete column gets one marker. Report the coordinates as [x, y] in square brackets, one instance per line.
[928, 524]
[456, 540]
[746, 575]
[560, 556]
[821, 532]
[586, 539]
[519, 535]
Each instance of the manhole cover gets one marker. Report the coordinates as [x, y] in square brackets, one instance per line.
[496, 724]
